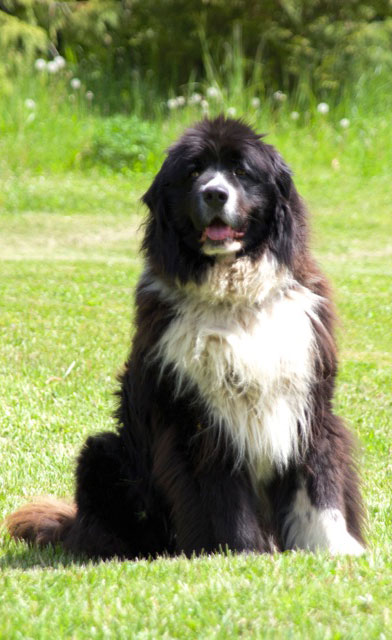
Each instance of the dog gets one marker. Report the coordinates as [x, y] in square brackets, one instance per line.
[226, 438]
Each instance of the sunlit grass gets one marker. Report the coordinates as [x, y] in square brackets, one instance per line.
[69, 265]
[68, 272]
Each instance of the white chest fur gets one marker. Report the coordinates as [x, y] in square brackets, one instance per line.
[251, 358]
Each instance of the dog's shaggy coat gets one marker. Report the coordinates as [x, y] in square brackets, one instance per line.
[227, 437]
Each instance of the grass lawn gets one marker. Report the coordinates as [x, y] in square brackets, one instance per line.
[69, 263]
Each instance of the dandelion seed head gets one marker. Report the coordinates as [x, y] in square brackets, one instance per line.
[294, 115]
[52, 66]
[172, 103]
[89, 95]
[75, 83]
[29, 103]
[323, 107]
[213, 92]
[60, 62]
[255, 102]
[204, 105]
[180, 101]
[40, 64]
[195, 98]
[344, 123]
[279, 96]
[231, 112]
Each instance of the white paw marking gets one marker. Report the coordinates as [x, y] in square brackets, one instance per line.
[318, 529]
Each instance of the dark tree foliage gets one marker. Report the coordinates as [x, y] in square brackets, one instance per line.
[322, 41]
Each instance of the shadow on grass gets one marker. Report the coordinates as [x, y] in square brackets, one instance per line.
[20, 556]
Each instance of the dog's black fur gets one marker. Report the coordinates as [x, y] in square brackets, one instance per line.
[167, 481]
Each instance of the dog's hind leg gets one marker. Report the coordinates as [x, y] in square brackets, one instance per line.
[115, 513]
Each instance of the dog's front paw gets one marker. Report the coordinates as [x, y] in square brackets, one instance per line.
[346, 546]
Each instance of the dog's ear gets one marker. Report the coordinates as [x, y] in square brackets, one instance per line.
[154, 197]
[282, 176]
[160, 241]
[150, 197]
[283, 227]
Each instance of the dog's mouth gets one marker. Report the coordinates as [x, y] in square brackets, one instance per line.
[219, 233]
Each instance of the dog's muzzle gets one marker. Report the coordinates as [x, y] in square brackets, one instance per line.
[218, 217]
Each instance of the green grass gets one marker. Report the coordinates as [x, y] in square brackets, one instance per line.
[69, 234]
[69, 266]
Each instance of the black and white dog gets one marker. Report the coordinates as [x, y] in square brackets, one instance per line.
[227, 437]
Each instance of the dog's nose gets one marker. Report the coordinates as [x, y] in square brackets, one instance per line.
[215, 196]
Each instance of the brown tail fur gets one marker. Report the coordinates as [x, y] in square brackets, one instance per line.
[42, 522]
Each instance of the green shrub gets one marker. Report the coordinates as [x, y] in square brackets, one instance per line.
[122, 143]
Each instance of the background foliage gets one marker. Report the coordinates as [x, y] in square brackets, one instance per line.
[293, 43]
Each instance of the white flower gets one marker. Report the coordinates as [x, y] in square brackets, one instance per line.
[294, 115]
[344, 123]
[323, 107]
[29, 103]
[213, 92]
[60, 62]
[172, 103]
[89, 95]
[366, 599]
[40, 64]
[75, 83]
[255, 102]
[231, 111]
[52, 67]
[280, 96]
[204, 105]
[195, 98]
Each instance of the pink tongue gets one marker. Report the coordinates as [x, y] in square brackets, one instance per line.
[217, 232]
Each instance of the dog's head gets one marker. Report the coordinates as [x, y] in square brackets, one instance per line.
[220, 191]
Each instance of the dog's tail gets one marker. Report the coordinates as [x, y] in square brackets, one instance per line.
[42, 522]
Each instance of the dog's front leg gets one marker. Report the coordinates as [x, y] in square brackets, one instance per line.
[233, 510]
[212, 510]
[320, 504]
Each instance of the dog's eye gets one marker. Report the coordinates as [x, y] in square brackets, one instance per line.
[239, 171]
[194, 174]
